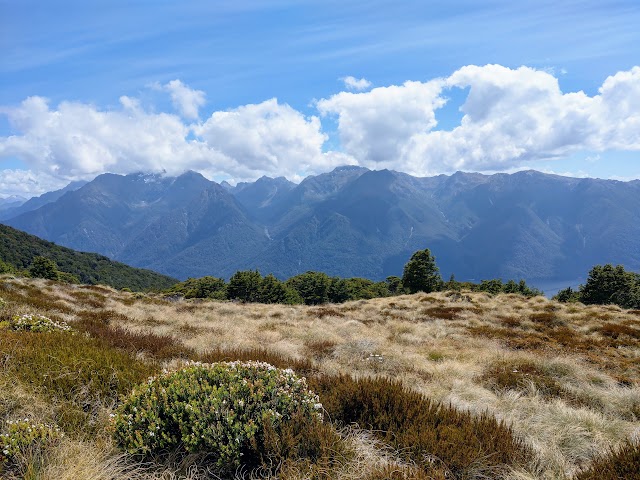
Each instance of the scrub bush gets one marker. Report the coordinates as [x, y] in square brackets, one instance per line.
[23, 439]
[32, 322]
[225, 410]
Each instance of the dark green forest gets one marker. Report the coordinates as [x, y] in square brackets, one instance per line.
[18, 250]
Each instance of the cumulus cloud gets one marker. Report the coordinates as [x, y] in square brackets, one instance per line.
[270, 138]
[186, 100]
[80, 141]
[375, 127]
[77, 140]
[27, 183]
[353, 83]
[510, 116]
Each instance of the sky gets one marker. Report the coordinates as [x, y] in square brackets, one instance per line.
[241, 89]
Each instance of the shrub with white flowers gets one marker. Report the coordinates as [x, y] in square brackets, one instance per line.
[33, 322]
[221, 409]
[22, 436]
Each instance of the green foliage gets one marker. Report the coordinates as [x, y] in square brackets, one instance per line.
[394, 285]
[495, 286]
[18, 250]
[245, 286]
[68, 278]
[6, 268]
[273, 290]
[223, 409]
[618, 464]
[2, 303]
[79, 375]
[204, 287]
[607, 284]
[31, 322]
[43, 267]
[421, 273]
[23, 439]
[313, 287]
[567, 295]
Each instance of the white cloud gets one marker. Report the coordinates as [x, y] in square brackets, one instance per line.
[352, 83]
[27, 183]
[186, 100]
[79, 141]
[268, 138]
[511, 116]
[374, 127]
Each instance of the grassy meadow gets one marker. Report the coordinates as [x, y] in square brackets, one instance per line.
[449, 385]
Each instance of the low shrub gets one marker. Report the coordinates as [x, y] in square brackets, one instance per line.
[410, 423]
[32, 322]
[76, 374]
[24, 439]
[226, 410]
[621, 463]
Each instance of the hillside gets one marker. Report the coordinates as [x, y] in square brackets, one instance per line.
[352, 222]
[19, 248]
[564, 377]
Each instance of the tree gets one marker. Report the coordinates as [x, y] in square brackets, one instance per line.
[43, 267]
[273, 290]
[567, 295]
[394, 285]
[421, 274]
[607, 284]
[245, 286]
[204, 287]
[313, 287]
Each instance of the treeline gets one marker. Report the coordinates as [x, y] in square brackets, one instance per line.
[606, 285]
[19, 250]
[420, 274]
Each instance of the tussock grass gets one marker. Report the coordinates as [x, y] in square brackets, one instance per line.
[574, 399]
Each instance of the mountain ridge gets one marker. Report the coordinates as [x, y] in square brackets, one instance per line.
[350, 222]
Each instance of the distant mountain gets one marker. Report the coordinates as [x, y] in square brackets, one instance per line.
[19, 248]
[352, 222]
[37, 202]
[11, 202]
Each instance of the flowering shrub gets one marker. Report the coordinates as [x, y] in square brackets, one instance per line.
[222, 409]
[2, 303]
[36, 323]
[22, 436]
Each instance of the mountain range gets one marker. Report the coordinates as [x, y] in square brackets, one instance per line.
[349, 222]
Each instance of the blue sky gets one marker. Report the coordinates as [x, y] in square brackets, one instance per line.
[241, 89]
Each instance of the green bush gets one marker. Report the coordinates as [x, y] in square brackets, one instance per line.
[32, 322]
[24, 438]
[221, 409]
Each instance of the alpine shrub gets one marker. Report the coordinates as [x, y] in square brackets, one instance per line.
[221, 409]
[22, 438]
[36, 323]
